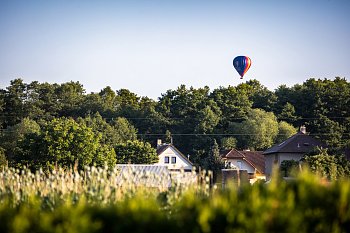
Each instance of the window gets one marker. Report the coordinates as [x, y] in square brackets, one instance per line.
[166, 159]
[173, 159]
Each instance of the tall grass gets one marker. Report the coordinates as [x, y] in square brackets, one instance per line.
[95, 184]
[91, 201]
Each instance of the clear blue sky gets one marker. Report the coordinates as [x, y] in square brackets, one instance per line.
[149, 47]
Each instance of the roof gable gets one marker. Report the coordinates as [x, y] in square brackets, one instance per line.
[255, 158]
[298, 143]
[162, 148]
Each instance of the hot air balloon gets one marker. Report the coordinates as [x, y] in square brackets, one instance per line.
[242, 64]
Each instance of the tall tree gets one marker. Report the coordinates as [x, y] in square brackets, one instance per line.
[259, 131]
[330, 166]
[69, 97]
[285, 130]
[14, 98]
[213, 161]
[65, 142]
[260, 96]
[193, 115]
[117, 131]
[12, 135]
[136, 152]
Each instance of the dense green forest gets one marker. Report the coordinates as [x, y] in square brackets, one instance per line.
[43, 124]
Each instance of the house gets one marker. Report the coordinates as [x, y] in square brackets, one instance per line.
[171, 157]
[251, 161]
[294, 148]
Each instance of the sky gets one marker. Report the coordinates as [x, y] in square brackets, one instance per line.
[150, 47]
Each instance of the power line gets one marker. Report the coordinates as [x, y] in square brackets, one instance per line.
[185, 118]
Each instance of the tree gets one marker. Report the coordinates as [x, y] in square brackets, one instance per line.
[259, 131]
[117, 131]
[149, 122]
[136, 152]
[213, 162]
[228, 143]
[126, 103]
[285, 130]
[288, 166]
[288, 113]
[260, 96]
[233, 103]
[64, 142]
[193, 113]
[329, 166]
[14, 98]
[327, 130]
[69, 97]
[124, 130]
[12, 135]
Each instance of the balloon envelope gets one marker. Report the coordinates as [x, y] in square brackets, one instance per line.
[242, 64]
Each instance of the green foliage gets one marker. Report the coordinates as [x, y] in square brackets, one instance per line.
[288, 166]
[285, 130]
[213, 161]
[331, 131]
[194, 116]
[260, 96]
[228, 143]
[136, 152]
[118, 131]
[124, 129]
[259, 130]
[288, 113]
[13, 135]
[329, 166]
[63, 141]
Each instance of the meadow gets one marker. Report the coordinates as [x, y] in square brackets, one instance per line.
[95, 200]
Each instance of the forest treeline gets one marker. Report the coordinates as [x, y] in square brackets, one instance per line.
[44, 123]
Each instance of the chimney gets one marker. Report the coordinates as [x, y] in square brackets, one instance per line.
[159, 143]
[303, 129]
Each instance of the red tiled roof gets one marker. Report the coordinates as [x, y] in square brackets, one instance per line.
[255, 158]
[231, 154]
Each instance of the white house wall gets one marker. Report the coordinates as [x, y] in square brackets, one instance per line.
[180, 161]
[244, 165]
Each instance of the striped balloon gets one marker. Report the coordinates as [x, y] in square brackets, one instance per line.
[242, 64]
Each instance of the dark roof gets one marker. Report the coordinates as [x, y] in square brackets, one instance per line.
[255, 158]
[298, 143]
[163, 147]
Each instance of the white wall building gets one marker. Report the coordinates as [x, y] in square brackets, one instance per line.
[171, 157]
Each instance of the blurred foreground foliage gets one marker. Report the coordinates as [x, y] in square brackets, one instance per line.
[307, 203]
